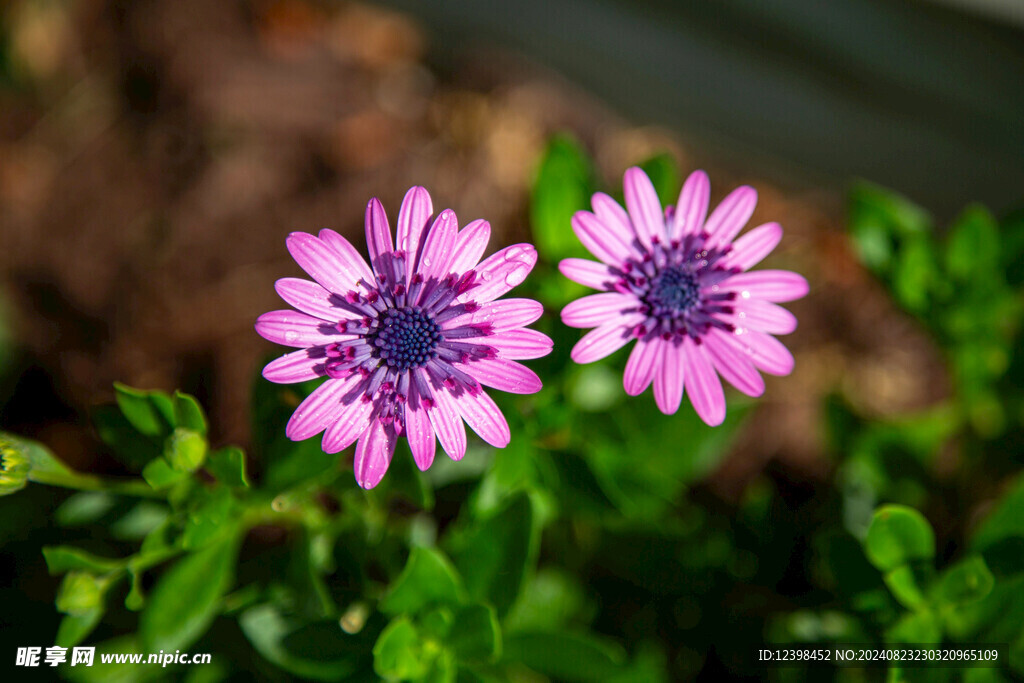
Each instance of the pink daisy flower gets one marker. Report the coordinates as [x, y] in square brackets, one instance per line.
[407, 341]
[677, 283]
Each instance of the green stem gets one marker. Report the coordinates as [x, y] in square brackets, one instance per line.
[90, 482]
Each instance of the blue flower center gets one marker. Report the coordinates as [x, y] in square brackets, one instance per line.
[407, 337]
[673, 290]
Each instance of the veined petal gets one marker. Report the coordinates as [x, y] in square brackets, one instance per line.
[297, 366]
[596, 309]
[448, 426]
[321, 408]
[729, 217]
[504, 314]
[484, 417]
[604, 340]
[519, 344]
[420, 434]
[470, 244]
[373, 453]
[771, 285]
[349, 256]
[353, 420]
[614, 217]
[644, 207]
[748, 250]
[378, 234]
[292, 328]
[732, 365]
[702, 384]
[763, 316]
[640, 367]
[503, 374]
[692, 207]
[501, 271]
[587, 273]
[668, 379]
[603, 242]
[412, 222]
[311, 298]
[438, 247]
[766, 352]
[322, 262]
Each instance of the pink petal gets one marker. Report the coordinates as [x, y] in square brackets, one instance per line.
[352, 421]
[736, 369]
[502, 271]
[320, 409]
[668, 380]
[412, 222]
[702, 384]
[448, 426]
[297, 366]
[519, 344]
[480, 413]
[597, 309]
[420, 435]
[470, 244]
[378, 234]
[504, 314]
[292, 328]
[643, 360]
[644, 207]
[766, 352]
[606, 244]
[438, 246]
[763, 316]
[614, 217]
[503, 374]
[322, 262]
[748, 250]
[729, 217]
[771, 285]
[348, 256]
[605, 340]
[311, 298]
[692, 206]
[373, 454]
[588, 273]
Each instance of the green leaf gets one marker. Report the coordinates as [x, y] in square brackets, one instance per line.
[80, 593]
[210, 520]
[186, 599]
[496, 555]
[563, 186]
[160, 475]
[897, 536]
[150, 412]
[228, 466]
[188, 413]
[185, 449]
[63, 558]
[663, 171]
[1005, 520]
[398, 653]
[917, 627]
[967, 581]
[125, 442]
[475, 634]
[972, 251]
[138, 522]
[74, 628]
[428, 579]
[84, 508]
[550, 600]
[915, 272]
[565, 655]
[904, 584]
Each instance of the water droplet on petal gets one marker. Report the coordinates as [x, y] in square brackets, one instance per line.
[291, 335]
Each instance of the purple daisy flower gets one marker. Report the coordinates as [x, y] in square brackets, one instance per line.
[677, 283]
[407, 343]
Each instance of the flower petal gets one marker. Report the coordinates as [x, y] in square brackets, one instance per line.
[604, 340]
[297, 366]
[470, 244]
[503, 374]
[373, 453]
[311, 298]
[322, 262]
[501, 271]
[668, 380]
[749, 249]
[448, 426]
[729, 217]
[763, 316]
[587, 273]
[292, 328]
[771, 285]
[412, 223]
[640, 367]
[420, 434]
[438, 246]
[349, 257]
[733, 366]
[692, 207]
[603, 242]
[614, 217]
[520, 344]
[597, 309]
[644, 207]
[504, 314]
[320, 409]
[480, 413]
[702, 384]
[378, 235]
[353, 419]
[766, 352]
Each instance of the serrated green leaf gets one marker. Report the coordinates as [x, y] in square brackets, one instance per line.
[428, 579]
[897, 536]
[188, 413]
